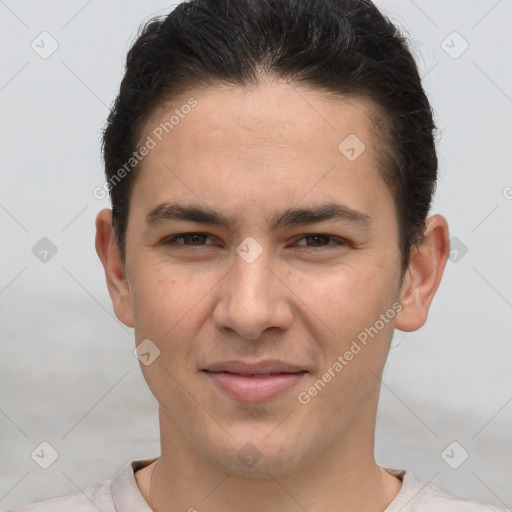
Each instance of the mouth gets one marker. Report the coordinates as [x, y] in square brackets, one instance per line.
[258, 382]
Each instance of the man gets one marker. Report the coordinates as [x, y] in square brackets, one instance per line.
[271, 165]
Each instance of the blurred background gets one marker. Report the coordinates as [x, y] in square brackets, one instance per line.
[68, 376]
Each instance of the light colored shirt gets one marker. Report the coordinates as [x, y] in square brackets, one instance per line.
[121, 494]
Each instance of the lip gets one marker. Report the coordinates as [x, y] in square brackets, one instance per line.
[259, 368]
[254, 382]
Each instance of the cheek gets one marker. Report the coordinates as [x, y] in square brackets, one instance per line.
[169, 311]
[348, 299]
[165, 299]
[351, 304]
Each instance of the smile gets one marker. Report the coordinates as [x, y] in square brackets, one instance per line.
[254, 387]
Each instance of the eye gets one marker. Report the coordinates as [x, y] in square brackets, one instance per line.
[195, 239]
[313, 241]
[320, 240]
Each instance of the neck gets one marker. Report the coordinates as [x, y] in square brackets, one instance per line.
[345, 477]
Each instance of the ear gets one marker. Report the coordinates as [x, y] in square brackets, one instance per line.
[422, 278]
[110, 256]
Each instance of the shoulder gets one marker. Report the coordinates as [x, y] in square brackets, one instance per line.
[93, 497]
[416, 496]
[436, 499]
[115, 494]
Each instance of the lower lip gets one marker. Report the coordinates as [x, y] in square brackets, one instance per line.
[254, 389]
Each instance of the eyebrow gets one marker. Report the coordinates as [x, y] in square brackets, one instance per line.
[292, 217]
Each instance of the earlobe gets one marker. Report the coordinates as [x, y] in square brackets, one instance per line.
[110, 256]
[423, 276]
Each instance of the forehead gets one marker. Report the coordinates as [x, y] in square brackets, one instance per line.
[275, 113]
[248, 141]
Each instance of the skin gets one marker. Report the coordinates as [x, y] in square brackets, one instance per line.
[251, 152]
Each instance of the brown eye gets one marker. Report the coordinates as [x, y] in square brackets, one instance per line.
[319, 240]
[188, 239]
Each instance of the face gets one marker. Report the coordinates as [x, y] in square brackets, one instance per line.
[263, 278]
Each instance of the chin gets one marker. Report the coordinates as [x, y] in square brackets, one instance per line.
[260, 456]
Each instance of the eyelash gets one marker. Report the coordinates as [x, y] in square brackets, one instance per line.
[338, 241]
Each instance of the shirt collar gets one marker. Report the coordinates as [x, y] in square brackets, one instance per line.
[125, 492]
[128, 498]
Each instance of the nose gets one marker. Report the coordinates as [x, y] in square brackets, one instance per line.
[253, 298]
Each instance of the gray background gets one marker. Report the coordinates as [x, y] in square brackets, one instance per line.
[68, 375]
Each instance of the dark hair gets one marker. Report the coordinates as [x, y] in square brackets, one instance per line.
[343, 47]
